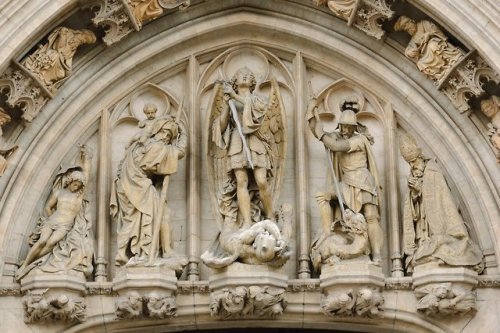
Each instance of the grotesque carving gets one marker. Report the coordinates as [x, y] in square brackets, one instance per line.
[153, 306]
[246, 147]
[56, 308]
[346, 239]
[52, 63]
[433, 230]
[62, 241]
[4, 119]
[355, 185]
[491, 108]
[130, 307]
[429, 48]
[140, 208]
[254, 301]
[363, 14]
[159, 307]
[443, 299]
[367, 302]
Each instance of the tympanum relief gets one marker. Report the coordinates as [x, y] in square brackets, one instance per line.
[62, 241]
[433, 230]
[139, 195]
[246, 155]
[349, 209]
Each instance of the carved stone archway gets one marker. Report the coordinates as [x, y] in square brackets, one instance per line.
[179, 54]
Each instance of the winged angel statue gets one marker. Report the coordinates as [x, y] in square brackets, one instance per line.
[246, 147]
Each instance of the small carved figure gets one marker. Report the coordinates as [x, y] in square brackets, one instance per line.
[62, 241]
[369, 303]
[348, 239]
[130, 307]
[56, 308]
[442, 299]
[354, 174]
[52, 62]
[4, 119]
[161, 307]
[491, 108]
[429, 47]
[253, 301]
[142, 213]
[433, 230]
[341, 8]
[339, 304]
[146, 10]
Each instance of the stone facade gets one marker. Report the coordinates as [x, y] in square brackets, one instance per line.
[176, 165]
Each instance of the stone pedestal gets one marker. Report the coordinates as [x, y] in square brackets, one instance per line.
[444, 291]
[145, 280]
[247, 291]
[352, 288]
[145, 292]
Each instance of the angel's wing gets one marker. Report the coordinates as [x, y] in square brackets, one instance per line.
[219, 182]
[275, 122]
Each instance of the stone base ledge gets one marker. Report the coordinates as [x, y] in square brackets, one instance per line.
[238, 274]
[54, 282]
[145, 279]
[432, 273]
[350, 274]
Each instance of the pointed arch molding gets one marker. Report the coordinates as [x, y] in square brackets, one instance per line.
[109, 74]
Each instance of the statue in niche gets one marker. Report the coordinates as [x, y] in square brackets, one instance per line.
[139, 196]
[52, 62]
[354, 199]
[429, 47]
[341, 8]
[491, 109]
[433, 230]
[146, 10]
[442, 299]
[246, 154]
[62, 241]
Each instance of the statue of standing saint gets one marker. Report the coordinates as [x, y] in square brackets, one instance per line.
[246, 155]
[139, 197]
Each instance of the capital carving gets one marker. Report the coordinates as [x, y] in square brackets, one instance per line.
[365, 302]
[244, 302]
[38, 307]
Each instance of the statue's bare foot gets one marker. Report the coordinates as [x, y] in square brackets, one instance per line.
[376, 259]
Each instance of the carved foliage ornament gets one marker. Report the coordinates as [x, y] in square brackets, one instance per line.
[38, 307]
[244, 302]
[365, 15]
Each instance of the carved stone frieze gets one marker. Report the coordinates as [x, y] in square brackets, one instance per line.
[365, 15]
[154, 306]
[466, 79]
[121, 17]
[365, 302]
[38, 307]
[244, 302]
[445, 299]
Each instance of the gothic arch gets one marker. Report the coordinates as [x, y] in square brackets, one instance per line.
[183, 45]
